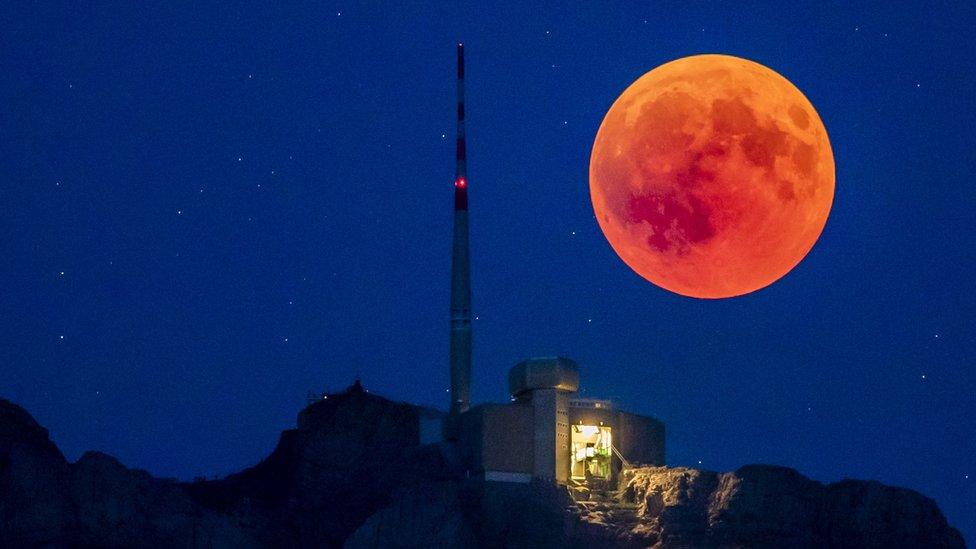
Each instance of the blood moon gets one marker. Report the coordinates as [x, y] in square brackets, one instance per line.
[712, 176]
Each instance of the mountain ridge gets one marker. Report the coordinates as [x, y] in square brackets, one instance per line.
[353, 473]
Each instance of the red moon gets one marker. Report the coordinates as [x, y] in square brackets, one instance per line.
[712, 176]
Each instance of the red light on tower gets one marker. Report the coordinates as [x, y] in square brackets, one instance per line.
[460, 183]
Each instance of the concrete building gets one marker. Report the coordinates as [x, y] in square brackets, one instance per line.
[546, 432]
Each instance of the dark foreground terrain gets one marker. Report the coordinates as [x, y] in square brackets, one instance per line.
[352, 473]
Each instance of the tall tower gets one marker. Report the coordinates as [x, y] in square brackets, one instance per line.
[460, 268]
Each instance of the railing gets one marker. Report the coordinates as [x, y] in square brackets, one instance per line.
[623, 460]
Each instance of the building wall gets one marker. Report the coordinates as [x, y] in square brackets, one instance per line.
[641, 439]
[594, 416]
[551, 433]
[562, 439]
[431, 425]
[497, 438]
[531, 437]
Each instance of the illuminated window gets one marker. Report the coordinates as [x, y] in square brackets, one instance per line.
[590, 451]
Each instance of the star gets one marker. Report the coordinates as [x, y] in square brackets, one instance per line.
[923, 376]
[60, 337]
[179, 212]
[61, 273]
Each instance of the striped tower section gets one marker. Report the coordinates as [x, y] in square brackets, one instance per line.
[460, 268]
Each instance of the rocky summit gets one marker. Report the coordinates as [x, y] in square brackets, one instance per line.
[352, 473]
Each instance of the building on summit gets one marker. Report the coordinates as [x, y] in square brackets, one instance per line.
[546, 432]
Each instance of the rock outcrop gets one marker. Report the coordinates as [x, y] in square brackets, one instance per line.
[353, 473]
[98, 502]
[472, 514]
[122, 507]
[757, 506]
[324, 478]
[768, 506]
[35, 506]
[857, 513]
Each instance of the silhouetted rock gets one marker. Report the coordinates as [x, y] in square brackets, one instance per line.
[428, 515]
[353, 473]
[121, 507]
[763, 505]
[325, 478]
[757, 506]
[35, 507]
[44, 501]
[472, 514]
[861, 513]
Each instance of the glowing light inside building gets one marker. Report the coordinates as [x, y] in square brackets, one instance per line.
[589, 430]
[591, 447]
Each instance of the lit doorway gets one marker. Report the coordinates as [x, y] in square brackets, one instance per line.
[591, 451]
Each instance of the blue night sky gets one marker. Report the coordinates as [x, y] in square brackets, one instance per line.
[208, 212]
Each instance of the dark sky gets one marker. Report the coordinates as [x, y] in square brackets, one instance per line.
[208, 212]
